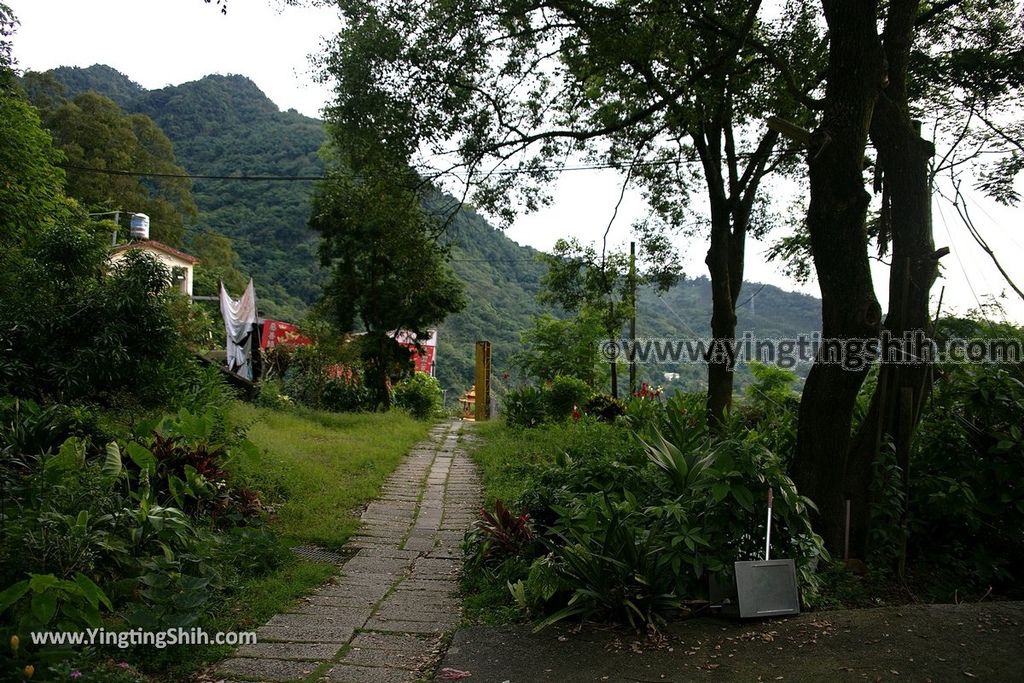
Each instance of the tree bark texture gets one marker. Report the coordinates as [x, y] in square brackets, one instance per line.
[722, 265]
[731, 208]
[903, 382]
[837, 225]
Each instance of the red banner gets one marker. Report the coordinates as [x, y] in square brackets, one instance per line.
[423, 362]
[279, 333]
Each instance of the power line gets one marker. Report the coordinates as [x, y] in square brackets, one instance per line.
[1007, 234]
[678, 317]
[191, 176]
[313, 178]
[751, 297]
[492, 260]
[956, 253]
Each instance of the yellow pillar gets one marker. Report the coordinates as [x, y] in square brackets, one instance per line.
[483, 380]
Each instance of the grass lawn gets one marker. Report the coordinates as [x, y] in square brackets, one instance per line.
[318, 468]
[509, 457]
[257, 600]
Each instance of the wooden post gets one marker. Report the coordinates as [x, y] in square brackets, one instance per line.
[256, 354]
[483, 380]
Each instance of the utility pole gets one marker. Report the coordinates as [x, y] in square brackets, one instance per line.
[632, 317]
[117, 222]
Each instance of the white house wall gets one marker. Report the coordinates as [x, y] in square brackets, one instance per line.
[169, 261]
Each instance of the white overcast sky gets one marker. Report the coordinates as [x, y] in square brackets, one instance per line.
[168, 42]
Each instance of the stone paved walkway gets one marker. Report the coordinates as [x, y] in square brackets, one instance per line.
[385, 617]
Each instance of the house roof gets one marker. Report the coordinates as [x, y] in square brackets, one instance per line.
[156, 246]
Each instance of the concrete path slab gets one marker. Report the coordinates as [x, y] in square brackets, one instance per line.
[386, 616]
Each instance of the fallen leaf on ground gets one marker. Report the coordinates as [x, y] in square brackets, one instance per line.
[450, 674]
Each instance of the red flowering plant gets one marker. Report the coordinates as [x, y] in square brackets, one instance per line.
[498, 535]
[648, 391]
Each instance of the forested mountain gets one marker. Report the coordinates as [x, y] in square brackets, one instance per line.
[684, 312]
[225, 126]
[502, 281]
[100, 78]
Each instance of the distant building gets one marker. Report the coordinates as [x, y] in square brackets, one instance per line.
[178, 262]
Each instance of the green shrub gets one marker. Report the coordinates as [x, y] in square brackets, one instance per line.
[498, 536]
[596, 459]
[421, 395]
[526, 407]
[613, 563]
[681, 414]
[184, 462]
[721, 486]
[200, 389]
[72, 331]
[80, 516]
[271, 395]
[322, 379]
[965, 505]
[28, 429]
[305, 389]
[605, 407]
[628, 529]
[46, 601]
[769, 413]
[566, 394]
[344, 395]
[628, 542]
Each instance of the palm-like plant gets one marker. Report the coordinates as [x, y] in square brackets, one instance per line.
[617, 564]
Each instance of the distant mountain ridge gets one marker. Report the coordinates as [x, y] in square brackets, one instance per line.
[226, 126]
[100, 78]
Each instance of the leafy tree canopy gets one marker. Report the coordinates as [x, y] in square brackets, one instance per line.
[98, 139]
[388, 271]
[567, 347]
[218, 262]
[31, 195]
[481, 84]
[8, 23]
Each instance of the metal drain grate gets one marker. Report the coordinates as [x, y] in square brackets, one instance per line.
[318, 554]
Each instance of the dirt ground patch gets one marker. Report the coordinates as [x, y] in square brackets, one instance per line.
[908, 643]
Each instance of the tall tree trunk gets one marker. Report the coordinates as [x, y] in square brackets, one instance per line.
[730, 219]
[836, 220]
[903, 379]
[378, 356]
[906, 216]
[720, 356]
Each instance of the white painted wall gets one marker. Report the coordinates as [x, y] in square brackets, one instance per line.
[171, 262]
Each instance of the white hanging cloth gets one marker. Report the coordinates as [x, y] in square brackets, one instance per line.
[239, 321]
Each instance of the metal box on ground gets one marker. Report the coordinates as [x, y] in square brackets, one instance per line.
[763, 588]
